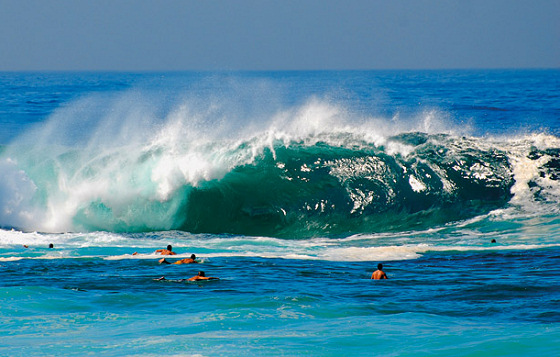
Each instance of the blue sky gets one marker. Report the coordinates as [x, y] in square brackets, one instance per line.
[137, 35]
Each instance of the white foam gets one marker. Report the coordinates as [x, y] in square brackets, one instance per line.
[355, 254]
[527, 170]
[416, 185]
[18, 238]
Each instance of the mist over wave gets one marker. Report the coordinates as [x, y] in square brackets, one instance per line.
[241, 164]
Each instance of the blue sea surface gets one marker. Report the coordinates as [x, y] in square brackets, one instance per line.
[290, 187]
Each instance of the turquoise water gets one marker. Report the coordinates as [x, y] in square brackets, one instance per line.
[494, 302]
[290, 187]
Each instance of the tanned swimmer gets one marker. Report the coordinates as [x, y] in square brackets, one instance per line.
[202, 276]
[168, 251]
[199, 276]
[190, 260]
[379, 273]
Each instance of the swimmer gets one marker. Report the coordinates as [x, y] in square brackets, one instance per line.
[202, 276]
[51, 245]
[168, 251]
[199, 276]
[379, 273]
[190, 260]
[493, 241]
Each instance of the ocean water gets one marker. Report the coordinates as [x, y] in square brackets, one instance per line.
[290, 187]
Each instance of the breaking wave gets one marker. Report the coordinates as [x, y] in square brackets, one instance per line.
[125, 164]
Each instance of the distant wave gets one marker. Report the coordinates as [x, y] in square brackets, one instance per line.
[313, 170]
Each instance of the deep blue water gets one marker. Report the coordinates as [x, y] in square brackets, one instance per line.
[290, 187]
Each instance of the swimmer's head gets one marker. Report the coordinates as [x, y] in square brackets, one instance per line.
[193, 257]
[201, 273]
[380, 266]
[169, 247]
